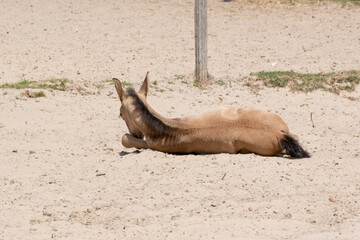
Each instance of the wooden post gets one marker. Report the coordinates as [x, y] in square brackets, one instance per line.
[201, 40]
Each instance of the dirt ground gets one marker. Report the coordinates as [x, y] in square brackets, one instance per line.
[65, 175]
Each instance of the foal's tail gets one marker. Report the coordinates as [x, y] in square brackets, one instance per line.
[292, 147]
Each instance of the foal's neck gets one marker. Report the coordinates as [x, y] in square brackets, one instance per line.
[178, 123]
[151, 123]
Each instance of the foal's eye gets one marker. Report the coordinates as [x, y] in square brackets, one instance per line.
[120, 115]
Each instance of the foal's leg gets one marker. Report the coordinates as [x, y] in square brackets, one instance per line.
[129, 141]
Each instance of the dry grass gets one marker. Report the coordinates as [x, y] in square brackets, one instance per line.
[33, 94]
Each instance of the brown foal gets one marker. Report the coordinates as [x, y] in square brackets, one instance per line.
[232, 130]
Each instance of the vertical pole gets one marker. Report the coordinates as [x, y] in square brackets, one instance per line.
[201, 40]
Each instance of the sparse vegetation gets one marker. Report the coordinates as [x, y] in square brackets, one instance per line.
[123, 83]
[196, 82]
[126, 84]
[178, 76]
[53, 84]
[154, 84]
[160, 90]
[331, 82]
[220, 82]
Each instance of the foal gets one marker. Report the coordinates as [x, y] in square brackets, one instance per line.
[231, 130]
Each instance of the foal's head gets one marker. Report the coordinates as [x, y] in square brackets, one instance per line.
[127, 109]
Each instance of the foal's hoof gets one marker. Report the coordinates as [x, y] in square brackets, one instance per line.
[125, 141]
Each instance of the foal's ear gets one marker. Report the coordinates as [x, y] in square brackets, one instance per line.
[145, 86]
[119, 89]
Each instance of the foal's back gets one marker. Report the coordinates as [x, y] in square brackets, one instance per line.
[233, 130]
[237, 118]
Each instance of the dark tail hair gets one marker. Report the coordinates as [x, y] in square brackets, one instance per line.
[293, 148]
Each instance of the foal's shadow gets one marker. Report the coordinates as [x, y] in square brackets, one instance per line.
[280, 155]
[123, 153]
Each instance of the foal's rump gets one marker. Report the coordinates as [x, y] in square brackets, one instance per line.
[260, 141]
[265, 133]
[269, 143]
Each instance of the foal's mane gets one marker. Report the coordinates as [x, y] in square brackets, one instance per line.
[158, 129]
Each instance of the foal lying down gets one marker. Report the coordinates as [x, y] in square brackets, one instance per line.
[232, 130]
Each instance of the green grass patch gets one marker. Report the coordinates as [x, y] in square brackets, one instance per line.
[52, 84]
[332, 82]
[343, 2]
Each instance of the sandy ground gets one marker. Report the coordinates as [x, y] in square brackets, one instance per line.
[65, 175]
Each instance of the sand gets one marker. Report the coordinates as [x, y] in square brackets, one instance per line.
[65, 175]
